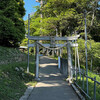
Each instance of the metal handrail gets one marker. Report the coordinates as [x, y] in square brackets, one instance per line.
[84, 75]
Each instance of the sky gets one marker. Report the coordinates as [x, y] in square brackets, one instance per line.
[29, 4]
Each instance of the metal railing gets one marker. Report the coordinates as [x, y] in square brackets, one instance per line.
[83, 75]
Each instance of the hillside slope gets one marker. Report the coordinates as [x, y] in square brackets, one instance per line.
[9, 55]
[13, 76]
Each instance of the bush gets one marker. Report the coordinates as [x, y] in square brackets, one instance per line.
[12, 28]
[7, 31]
[93, 52]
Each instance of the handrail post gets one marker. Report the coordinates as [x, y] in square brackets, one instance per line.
[86, 51]
[76, 75]
[94, 88]
[83, 80]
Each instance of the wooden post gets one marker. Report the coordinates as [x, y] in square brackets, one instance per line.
[83, 80]
[94, 88]
[53, 53]
[37, 61]
[75, 61]
[57, 52]
[59, 62]
[34, 51]
[47, 52]
[70, 72]
[43, 50]
[78, 63]
[60, 52]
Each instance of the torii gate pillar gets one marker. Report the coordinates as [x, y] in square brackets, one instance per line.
[70, 73]
[37, 62]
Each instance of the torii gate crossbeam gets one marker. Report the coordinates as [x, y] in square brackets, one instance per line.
[56, 38]
[53, 39]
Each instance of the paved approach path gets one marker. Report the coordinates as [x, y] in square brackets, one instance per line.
[52, 85]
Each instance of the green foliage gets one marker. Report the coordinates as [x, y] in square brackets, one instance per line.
[8, 32]
[91, 85]
[9, 55]
[67, 17]
[93, 53]
[13, 76]
[12, 82]
[24, 42]
[12, 28]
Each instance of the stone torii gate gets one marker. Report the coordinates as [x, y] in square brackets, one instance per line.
[53, 46]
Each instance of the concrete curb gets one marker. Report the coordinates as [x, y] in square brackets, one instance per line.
[78, 92]
[27, 93]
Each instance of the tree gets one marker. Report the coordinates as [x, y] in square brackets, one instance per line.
[12, 28]
[67, 17]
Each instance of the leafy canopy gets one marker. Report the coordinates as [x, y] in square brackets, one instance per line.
[66, 17]
[12, 28]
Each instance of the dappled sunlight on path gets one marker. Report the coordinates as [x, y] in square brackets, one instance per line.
[52, 85]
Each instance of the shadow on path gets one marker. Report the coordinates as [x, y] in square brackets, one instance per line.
[52, 85]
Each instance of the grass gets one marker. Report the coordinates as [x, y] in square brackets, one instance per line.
[91, 85]
[13, 76]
